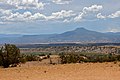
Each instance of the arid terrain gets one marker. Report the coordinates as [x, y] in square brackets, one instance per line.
[82, 71]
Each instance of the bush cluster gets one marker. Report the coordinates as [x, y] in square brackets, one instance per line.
[87, 57]
[10, 56]
[31, 57]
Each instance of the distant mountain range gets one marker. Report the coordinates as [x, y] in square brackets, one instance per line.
[80, 35]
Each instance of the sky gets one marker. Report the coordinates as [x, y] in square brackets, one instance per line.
[58, 16]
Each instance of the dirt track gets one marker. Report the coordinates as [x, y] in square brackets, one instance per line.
[86, 71]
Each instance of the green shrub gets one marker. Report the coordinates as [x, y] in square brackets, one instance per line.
[87, 57]
[31, 57]
[9, 55]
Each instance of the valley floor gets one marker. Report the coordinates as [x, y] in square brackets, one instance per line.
[83, 71]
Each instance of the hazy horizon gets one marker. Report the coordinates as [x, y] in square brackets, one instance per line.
[33, 17]
[22, 34]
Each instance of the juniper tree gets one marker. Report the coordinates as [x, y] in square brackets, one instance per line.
[10, 55]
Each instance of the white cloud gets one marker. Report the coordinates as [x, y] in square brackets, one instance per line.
[25, 4]
[79, 17]
[5, 12]
[67, 20]
[16, 16]
[100, 16]
[114, 15]
[38, 16]
[62, 14]
[28, 16]
[86, 11]
[93, 8]
[61, 1]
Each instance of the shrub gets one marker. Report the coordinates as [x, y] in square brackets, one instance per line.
[31, 57]
[70, 58]
[23, 58]
[9, 55]
[87, 57]
[42, 54]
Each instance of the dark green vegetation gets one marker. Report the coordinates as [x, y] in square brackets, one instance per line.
[10, 55]
[36, 56]
[87, 57]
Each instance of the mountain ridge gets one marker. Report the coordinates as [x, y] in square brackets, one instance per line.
[78, 35]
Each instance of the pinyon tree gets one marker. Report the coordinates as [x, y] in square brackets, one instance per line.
[10, 55]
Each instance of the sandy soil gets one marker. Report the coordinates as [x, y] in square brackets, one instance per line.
[83, 71]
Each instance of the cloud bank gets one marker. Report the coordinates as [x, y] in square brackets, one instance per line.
[25, 4]
[13, 15]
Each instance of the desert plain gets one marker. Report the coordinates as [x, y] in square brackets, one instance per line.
[78, 71]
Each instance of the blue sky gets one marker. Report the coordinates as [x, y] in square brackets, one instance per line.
[58, 16]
